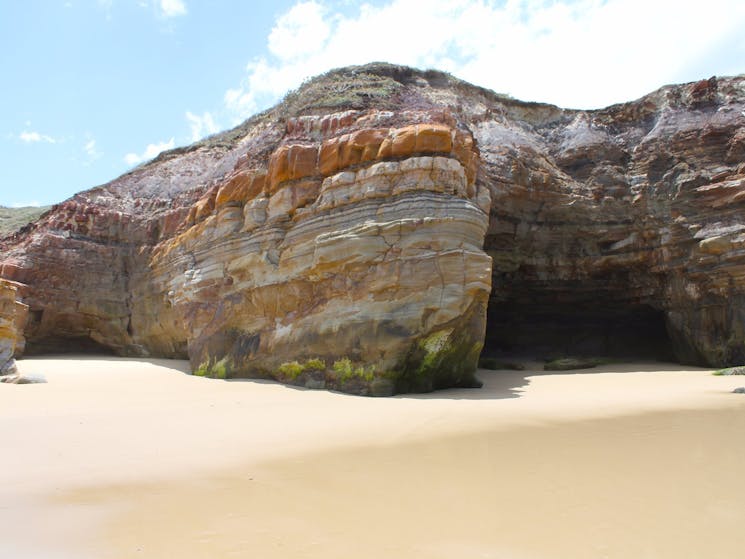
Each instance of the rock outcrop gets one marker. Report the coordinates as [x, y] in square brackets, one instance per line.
[12, 321]
[360, 235]
[359, 250]
[606, 222]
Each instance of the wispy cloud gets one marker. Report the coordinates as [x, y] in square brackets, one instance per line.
[106, 6]
[201, 126]
[91, 150]
[36, 137]
[150, 151]
[172, 8]
[32, 203]
[575, 53]
[163, 8]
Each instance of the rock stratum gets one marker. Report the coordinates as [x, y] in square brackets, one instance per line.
[381, 227]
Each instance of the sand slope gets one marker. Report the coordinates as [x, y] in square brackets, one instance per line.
[133, 458]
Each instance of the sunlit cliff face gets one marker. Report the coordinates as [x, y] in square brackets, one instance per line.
[366, 233]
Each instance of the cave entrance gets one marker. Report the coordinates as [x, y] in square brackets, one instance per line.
[73, 344]
[51, 332]
[544, 332]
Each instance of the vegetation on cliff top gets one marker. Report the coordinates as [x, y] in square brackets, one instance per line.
[378, 85]
[12, 219]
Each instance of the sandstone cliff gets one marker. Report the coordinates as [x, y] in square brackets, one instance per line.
[358, 235]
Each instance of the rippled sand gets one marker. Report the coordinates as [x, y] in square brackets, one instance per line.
[130, 458]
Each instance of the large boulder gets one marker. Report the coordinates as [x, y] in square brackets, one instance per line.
[373, 265]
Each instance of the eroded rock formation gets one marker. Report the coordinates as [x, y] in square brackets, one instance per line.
[358, 235]
[12, 321]
[360, 250]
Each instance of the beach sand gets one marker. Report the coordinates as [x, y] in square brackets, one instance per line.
[120, 458]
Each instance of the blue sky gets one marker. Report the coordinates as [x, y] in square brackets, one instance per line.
[91, 88]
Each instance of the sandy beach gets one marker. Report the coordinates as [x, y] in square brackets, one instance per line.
[119, 458]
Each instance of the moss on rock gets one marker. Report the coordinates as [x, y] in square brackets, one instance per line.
[219, 369]
[446, 357]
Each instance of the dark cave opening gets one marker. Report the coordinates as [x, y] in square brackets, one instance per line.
[560, 329]
[51, 332]
[72, 344]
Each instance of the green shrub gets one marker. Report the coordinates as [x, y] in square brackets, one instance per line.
[315, 365]
[345, 370]
[291, 370]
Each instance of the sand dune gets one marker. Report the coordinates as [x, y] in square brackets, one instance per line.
[133, 458]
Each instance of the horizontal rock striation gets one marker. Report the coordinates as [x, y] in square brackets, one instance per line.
[363, 234]
[353, 256]
[602, 220]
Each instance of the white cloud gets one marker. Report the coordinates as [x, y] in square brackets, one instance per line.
[91, 150]
[106, 6]
[161, 8]
[34, 203]
[35, 137]
[201, 126]
[171, 8]
[582, 53]
[150, 151]
[240, 101]
[300, 31]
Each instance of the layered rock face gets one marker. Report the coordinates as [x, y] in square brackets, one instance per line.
[360, 235]
[621, 228]
[12, 321]
[354, 261]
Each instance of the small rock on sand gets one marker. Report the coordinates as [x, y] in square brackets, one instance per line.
[31, 379]
[732, 371]
[570, 364]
